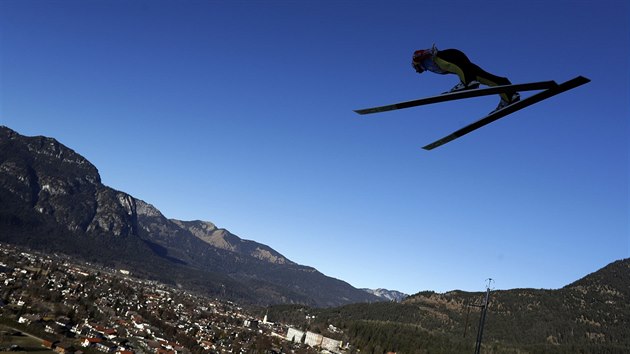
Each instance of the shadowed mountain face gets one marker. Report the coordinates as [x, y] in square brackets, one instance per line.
[51, 198]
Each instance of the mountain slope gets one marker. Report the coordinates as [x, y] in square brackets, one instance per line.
[51, 198]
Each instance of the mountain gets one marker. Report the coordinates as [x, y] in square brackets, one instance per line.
[52, 199]
[591, 315]
[388, 295]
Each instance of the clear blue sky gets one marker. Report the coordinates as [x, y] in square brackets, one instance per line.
[240, 113]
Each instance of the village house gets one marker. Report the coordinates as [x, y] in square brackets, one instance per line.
[251, 323]
[65, 348]
[64, 321]
[28, 319]
[164, 351]
[48, 343]
[206, 345]
[90, 342]
[53, 328]
[106, 347]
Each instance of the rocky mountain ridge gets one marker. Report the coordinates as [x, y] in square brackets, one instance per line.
[52, 199]
[223, 239]
[388, 295]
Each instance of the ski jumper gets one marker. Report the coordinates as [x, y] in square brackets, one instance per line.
[453, 61]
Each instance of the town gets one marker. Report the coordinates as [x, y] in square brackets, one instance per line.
[76, 307]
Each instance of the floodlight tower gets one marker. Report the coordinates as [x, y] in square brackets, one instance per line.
[482, 318]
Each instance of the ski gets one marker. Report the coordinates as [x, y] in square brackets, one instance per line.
[542, 85]
[568, 85]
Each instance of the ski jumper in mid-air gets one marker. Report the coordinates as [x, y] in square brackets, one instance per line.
[453, 61]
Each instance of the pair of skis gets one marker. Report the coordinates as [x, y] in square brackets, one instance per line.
[549, 89]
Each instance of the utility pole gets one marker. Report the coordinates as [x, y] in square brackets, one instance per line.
[482, 318]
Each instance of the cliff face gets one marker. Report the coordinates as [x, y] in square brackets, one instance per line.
[52, 198]
[56, 181]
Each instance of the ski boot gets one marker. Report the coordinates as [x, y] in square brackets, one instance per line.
[503, 103]
[463, 87]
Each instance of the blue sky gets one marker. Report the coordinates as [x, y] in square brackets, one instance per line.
[240, 113]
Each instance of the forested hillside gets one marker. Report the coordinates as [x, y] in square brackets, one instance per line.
[591, 315]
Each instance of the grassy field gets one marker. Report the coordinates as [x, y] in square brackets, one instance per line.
[26, 343]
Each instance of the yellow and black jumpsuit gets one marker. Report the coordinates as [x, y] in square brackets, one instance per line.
[453, 61]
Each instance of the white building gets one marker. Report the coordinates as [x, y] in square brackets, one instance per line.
[313, 339]
[294, 335]
[331, 344]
